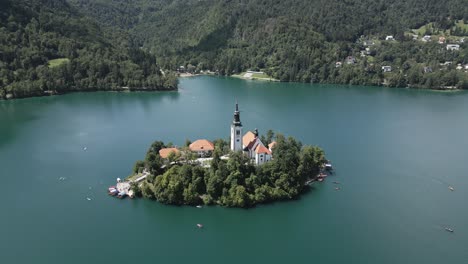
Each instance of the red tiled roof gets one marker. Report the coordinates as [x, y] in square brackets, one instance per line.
[262, 150]
[201, 145]
[164, 153]
[247, 138]
[272, 144]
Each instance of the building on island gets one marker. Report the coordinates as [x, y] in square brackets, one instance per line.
[249, 143]
[202, 147]
[164, 152]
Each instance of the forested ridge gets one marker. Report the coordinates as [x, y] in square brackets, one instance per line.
[299, 40]
[48, 47]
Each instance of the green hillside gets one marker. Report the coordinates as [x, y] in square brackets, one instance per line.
[50, 47]
[295, 40]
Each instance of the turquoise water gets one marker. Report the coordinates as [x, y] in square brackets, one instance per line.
[395, 151]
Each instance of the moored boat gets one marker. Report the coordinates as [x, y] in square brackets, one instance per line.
[448, 229]
[199, 225]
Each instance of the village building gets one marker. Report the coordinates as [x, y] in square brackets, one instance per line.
[386, 68]
[441, 40]
[427, 69]
[426, 38]
[165, 152]
[453, 47]
[202, 147]
[389, 38]
[338, 64]
[350, 60]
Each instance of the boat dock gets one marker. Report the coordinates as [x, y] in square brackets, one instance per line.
[123, 188]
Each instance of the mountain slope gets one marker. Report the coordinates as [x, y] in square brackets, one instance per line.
[48, 46]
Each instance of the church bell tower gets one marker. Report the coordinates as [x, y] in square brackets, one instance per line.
[236, 131]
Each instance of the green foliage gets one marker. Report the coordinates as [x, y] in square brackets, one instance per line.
[48, 47]
[294, 40]
[235, 182]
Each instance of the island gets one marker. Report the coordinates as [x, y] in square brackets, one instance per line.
[250, 169]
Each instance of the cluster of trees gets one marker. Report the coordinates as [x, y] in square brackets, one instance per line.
[35, 33]
[235, 182]
[299, 40]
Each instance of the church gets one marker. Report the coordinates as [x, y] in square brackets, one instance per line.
[249, 143]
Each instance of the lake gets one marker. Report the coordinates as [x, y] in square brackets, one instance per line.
[395, 152]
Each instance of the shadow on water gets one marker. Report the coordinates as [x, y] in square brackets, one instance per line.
[15, 114]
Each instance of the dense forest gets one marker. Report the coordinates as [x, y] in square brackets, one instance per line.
[235, 182]
[300, 40]
[49, 47]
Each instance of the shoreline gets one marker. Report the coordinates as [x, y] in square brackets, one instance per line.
[188, 75]
[119, 90]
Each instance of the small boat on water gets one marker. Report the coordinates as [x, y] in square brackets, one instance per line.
[199, 225]
[320, 179]
[451, 188]
[199, 206]
[113, 192]
[85, 148]
[87, 198]
[337, 188]
[121, 195]
[448, 229]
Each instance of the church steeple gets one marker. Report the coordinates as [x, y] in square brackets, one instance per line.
[236, 131]
[236, 120]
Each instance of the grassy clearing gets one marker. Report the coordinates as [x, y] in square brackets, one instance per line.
[462, 24]
[422, 30]
[254, 76]
[57, 62]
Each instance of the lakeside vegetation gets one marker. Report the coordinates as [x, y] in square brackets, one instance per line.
[233, 182]
[49, 47]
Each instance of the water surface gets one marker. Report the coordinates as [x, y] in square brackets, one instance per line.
[396, 151]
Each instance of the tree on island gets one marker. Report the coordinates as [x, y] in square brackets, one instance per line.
[233, 182]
